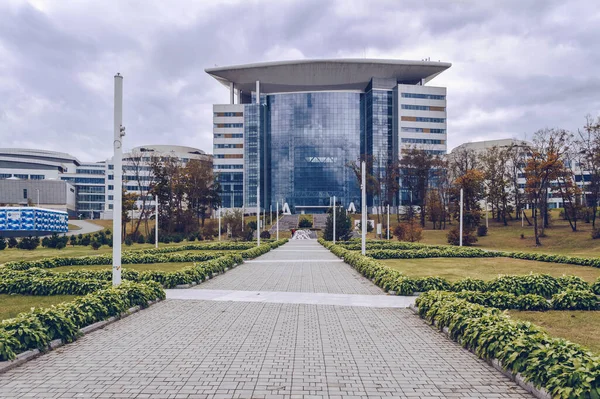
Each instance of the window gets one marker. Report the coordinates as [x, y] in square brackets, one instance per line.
[111, 167]
[229, 135]
[227, 125]
[111, 177]
[425, 96]
[111, 187]
[90, 171]
[21, 176]
[422, 119]
[111, 197]
[229, 146]
[110, 206]
[423, 130]
[24, 193]
[229, 166]
[423, 141]
[84, 180]
[37, 177]
[229, 114]
[224, 156]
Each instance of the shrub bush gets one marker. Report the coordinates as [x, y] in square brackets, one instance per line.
[564, 369]
[575, 300]
[29, 243]
[453, 237]
[595, 234]
[96, 245]
[409, 231]
[305, 223]
[12, 242]
[141, 239]
[265, 234]
[128, 241]
[3, 243]
[482, 231]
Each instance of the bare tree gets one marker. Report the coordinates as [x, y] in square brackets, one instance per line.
[589, 149]
[138, 169]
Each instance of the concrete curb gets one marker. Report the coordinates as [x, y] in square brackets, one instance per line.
[539, 393]
[57, 343]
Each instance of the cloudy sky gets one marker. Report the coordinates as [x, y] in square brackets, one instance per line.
[518, 66]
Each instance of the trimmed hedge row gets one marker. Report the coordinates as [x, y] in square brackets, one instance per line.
[406, 250]
[35, 329]
[218, 246]
[97, 260]
[393, 280]
[56, 285]
[566, 300]
[566, 370]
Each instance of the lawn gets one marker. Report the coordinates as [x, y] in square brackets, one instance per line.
[455, 269]
[73, 227]
[560, 239]
[165, 267]
[12, 305]
[577, 326]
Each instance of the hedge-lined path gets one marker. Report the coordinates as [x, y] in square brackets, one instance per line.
[233, 349]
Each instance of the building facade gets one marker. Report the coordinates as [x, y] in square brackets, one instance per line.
[291, 129]
[87, 187]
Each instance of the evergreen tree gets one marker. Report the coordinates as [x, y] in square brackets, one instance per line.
[343, 225]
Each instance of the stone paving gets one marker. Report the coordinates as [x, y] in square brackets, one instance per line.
[218, 349]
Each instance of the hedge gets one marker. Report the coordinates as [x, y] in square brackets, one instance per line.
[564, 369]
[405, 250]
[126, 258]
[35, 329]
[392, 280]
[55, 285]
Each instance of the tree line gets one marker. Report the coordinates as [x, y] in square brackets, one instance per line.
[514, 181]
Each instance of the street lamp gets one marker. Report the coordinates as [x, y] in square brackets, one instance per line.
[38, 197]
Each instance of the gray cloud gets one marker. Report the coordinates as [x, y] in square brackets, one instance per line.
[517, 65]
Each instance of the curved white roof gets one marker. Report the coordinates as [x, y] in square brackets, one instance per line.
[169, 148]
[322, 75]
[41, 155]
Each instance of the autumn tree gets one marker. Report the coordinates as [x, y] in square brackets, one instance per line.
[128, 204]
[201, 189]
[494, 163]
[169, 186]
[472, 184]
[416, 171]
[138, 170]
[543, 165]
[588, 144]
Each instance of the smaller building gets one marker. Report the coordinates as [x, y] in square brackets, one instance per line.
[31, 221]
[49, 194]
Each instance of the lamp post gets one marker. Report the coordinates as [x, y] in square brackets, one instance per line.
[219, 211]
[257, 215]
[388, 222]
[334, 212]
[38, 197]
[277, 220]
[119, 132]
[364, 208]
[460, 239]
[156, 223]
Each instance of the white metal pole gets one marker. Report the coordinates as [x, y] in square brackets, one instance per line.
[461, 219]
[334, 215]
[156, 223]
[364, 208]
[119, 132]
[38, 197]
[388, 221]
[219, 210]
[242, 218]
[271, 214]
[487, 225]
[522, 217]
[277, 220]
[257, 215]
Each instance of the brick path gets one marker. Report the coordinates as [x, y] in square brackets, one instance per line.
[216, 349]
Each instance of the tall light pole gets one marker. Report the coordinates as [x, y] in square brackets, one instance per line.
[277, 219]
[119, 132]
[257, 215]
[460, 239]
[363, 204]
[334, 212]
[156, 222]
[38, 197]
[219, 210]
[388, 222]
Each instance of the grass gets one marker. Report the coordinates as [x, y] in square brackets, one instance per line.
[73, 227]
[575, 325]
[560, 239]
[165, 267]
[12, 305]
[455, 269]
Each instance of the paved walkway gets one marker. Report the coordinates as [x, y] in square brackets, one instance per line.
[235, 348]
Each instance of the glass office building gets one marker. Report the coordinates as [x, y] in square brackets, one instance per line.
[295, 128]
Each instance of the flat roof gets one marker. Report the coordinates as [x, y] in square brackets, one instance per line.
[324, 74]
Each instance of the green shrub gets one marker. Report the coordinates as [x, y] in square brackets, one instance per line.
[128, 241]
[141, 239]
[564, 369]
[265, 234]
[469, 284]
[596, 287]
[29, 243]
[96, 245]
[482, 231]
[575, 300]
[3, 244]
[305, 223]
[595, 234]
[453, 237]
[12, 242]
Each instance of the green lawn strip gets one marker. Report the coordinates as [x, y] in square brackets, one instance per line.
[580, 326]
[454, 269]
[165, 267]
[12, 305]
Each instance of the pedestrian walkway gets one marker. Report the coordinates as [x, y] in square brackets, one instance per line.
[216, 347]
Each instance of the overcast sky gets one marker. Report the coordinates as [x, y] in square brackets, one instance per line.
[517, 66]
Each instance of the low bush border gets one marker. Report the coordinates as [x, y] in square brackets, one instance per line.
[559, 367]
